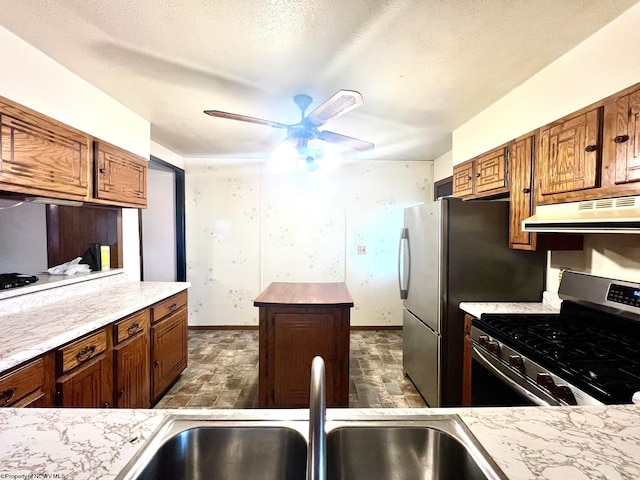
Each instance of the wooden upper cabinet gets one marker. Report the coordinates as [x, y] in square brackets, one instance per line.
[570, 153]
[491, 170]
[119, 176]
[41, 156]
[627, 138]
[463, 179]
[484, 176]
[521, 197]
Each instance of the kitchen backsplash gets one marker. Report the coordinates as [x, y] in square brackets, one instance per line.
[249, 225]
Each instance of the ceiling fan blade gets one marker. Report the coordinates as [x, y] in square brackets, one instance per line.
[244, 118]
[341, 103]
[350, 142]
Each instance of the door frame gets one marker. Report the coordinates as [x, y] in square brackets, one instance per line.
[181, 260]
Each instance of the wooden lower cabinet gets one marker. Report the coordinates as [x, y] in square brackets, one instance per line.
[25, 386]
[88, 385]
[169, 349]
[297, 338]
[131, 361]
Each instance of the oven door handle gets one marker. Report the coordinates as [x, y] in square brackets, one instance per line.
[514, 385]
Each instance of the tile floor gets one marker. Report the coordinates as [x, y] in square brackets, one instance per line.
[223, 371]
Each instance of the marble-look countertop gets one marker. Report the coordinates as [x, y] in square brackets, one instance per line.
[31, 332]
[550, 443]
[478, 308]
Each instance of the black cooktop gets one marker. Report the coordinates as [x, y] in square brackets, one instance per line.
[595, 351]
[13, 280]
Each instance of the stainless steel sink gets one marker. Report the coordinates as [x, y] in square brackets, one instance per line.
[205, 449]
[434, 448]
[358, 447]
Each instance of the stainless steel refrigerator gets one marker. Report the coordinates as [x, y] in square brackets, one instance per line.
[453, 251]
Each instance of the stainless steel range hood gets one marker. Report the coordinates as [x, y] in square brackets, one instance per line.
[609, 215]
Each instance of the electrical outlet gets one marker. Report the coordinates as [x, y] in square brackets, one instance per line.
[362, 249]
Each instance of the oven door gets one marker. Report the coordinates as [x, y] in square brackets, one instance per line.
[495, 383]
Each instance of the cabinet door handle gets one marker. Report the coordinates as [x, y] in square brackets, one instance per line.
[477, 175]
[7, 396]
[590, 148]
[106, 405]
[133, 328]
[621, 138]
[469, 177]
[526, 190]
[157, 364]
[121, 392]
[102, 170]
[86, 353]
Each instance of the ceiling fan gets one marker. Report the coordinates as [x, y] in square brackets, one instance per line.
[307, 129]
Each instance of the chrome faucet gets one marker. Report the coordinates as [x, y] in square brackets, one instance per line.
[316, 455]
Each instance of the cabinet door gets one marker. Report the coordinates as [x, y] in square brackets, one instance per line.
[463, 179]
[87, 386]
[41, 156]
[132, 372]
[521, 204]
[298, 338]
[169, 351]
[627, 138]
[491, 171]
[120, 176]
[569, 154]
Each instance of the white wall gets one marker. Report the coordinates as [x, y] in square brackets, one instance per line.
[158, 227]
[38, 82]
[23, 237]
[167, 155]
[442, 167]
[605, 63]
[248, 225]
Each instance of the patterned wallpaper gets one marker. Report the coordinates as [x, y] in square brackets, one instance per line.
[249, 224]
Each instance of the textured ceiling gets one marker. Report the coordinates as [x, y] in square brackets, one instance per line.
[424, 67]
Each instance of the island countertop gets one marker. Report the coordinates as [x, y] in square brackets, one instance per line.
[305, 294]
[550, 443]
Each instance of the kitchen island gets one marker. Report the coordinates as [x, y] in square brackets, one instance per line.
[551, 443]
[297, 322]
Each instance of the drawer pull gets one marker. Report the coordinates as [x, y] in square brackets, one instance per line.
[7, 396]
[133, 328]
[173, 306]
[86, 353]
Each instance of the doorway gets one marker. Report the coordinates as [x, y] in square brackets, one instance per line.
[162, 224]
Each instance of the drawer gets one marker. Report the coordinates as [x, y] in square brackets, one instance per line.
[21, 382]
[167, 306]
[80, 351]
[131, 325]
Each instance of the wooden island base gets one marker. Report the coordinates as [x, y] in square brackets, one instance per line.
[297, 322]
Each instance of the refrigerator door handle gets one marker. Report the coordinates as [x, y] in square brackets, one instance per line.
[404, 263]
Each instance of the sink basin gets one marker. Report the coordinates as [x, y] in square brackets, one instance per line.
[434, 449]
[197, 449]
[357, 447]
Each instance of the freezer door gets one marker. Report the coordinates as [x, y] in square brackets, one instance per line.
[423, 225]
[421, 357]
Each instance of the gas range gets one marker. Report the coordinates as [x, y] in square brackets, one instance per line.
[587, 354]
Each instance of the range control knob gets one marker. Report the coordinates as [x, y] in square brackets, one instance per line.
[545, 380]
[483, 340]
[493, 347]
[564, 393]
[516, 362]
